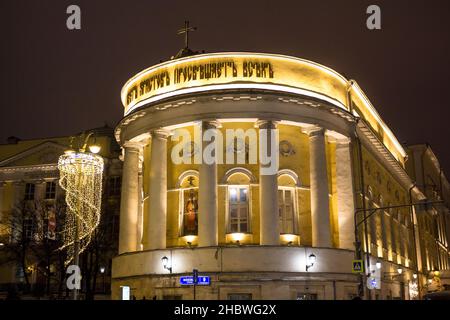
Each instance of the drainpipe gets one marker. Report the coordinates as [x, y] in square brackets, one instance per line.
[412, 210]
[363, 193]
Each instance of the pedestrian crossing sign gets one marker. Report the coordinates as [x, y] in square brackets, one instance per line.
[357, 266]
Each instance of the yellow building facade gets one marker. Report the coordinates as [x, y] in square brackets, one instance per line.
[340, 180]
[341, 191]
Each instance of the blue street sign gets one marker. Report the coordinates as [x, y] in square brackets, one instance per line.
[201, 281]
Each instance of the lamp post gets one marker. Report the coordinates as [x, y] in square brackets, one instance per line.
[81, 178]
[102, 272]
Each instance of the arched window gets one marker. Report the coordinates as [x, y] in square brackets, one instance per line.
[238, 204]
[287, 204]
[188, 186]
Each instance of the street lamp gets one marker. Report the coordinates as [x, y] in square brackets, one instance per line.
[165, 262]
[81, 178]
[399, 270]
[311, 261]
[102, 272]
[415, 275]
[378, 265]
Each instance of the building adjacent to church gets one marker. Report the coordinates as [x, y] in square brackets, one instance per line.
[32, 206]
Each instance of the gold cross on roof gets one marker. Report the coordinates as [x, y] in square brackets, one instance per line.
[186, 30]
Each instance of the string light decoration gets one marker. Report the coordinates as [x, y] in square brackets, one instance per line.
[81, 179]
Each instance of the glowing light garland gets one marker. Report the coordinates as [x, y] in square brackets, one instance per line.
[81, 178]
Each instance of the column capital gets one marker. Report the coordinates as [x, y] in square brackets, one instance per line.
[160, 133]
[18, 183]
[313, 130]
[210, 124]
[266, 124]
[340, 142]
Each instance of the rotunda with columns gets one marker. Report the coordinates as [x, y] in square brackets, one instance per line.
[286, 234]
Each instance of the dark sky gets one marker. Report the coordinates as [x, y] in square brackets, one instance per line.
[59, 82]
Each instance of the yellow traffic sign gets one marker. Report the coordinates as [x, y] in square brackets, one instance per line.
[357, 266]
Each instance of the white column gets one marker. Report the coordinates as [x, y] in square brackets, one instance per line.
[320, 203]
[140, 212]
[39, 190]
[157, 217]
[129, 199]
[207, 197]
[39, 196]
[345, 195]
[19, 193]
[2, 190]
[268, 191]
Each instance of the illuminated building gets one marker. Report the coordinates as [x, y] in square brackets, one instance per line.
[30, 198]
[253, 233]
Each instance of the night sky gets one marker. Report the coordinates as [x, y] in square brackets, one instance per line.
[59, 82]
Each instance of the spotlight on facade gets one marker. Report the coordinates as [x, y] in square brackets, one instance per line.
[289, 239]
[190, 239]
[102, 270]
[311, 261]
[437, 273]
[165, 262]
[237, 237]
[400, 270]
[430, 281]
[94, 148]
[378, 265]
[415, 275]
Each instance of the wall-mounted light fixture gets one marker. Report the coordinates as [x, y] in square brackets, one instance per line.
[399, 270]
[102, 270]
[311, 261]
[165, 262]
[378, 265]
[415, 275]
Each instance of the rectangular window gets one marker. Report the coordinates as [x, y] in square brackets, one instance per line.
[29, 191]
[28, 228]
[50, 190]
[286, 210]
[238, 214]
[114, 186]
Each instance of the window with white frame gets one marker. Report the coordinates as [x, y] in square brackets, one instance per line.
[50, 190]
[29, 191]
[286, 210]
[238, 209]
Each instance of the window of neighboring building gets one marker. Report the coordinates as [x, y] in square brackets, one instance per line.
[29, 191]
[238, 209]
[239, 296]
[114, 186]
[28, 228]
[50, 190]
[189, 206]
